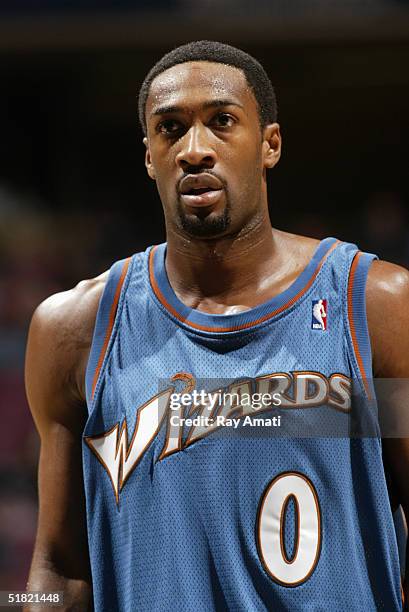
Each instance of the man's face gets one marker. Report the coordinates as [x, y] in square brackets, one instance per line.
[206, 150]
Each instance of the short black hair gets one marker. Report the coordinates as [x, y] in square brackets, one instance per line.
[220, 53]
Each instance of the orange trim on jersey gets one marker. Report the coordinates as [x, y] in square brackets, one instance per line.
[111, 321]
[267, 316]
[355, 344]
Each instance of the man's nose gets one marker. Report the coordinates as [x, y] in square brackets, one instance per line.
[196, 149]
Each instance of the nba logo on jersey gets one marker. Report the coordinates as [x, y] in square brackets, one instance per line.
[319, 315]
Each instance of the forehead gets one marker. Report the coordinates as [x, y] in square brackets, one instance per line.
[194, 82]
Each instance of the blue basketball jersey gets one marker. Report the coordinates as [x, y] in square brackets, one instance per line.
[233, 462]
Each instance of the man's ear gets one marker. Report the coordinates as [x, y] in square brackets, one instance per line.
[148, 160]
[271, 145]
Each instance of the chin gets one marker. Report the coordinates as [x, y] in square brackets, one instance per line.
[211, 225]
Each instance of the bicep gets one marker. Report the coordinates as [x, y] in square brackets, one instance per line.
[51, 372]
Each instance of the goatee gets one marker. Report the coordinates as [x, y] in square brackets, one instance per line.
[206, 226]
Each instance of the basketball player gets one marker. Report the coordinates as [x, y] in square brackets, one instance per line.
[140, 510]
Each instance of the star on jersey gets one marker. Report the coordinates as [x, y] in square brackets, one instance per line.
[120, 456]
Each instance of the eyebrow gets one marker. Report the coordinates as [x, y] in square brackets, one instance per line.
[164, 110]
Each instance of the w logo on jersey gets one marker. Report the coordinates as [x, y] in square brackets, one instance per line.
[319, 315]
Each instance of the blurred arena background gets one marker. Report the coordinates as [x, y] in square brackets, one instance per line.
[74, 195]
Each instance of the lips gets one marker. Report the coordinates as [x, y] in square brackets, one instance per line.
[200, 189]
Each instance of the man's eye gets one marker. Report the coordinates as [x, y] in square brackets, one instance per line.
[223, 120]
[170, 126]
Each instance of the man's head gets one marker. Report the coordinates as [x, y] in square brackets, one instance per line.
[209, 114]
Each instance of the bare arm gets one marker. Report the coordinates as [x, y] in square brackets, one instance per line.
[57, 351]
[388, 319]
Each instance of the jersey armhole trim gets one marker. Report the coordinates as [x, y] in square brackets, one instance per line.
[358, 325]
[104, 325]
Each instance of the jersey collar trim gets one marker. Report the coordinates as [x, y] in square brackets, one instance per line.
[219, 323]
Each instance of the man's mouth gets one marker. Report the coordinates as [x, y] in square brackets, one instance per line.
[198, 190]
[201, 197]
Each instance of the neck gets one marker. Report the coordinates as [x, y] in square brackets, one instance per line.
[223, 270]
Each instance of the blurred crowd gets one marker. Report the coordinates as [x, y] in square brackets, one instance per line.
[43, 252]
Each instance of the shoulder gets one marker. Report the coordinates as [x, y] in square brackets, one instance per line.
[60, 338]
[72, 313]
[387, 303]
[387, 291]
[387, 281]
